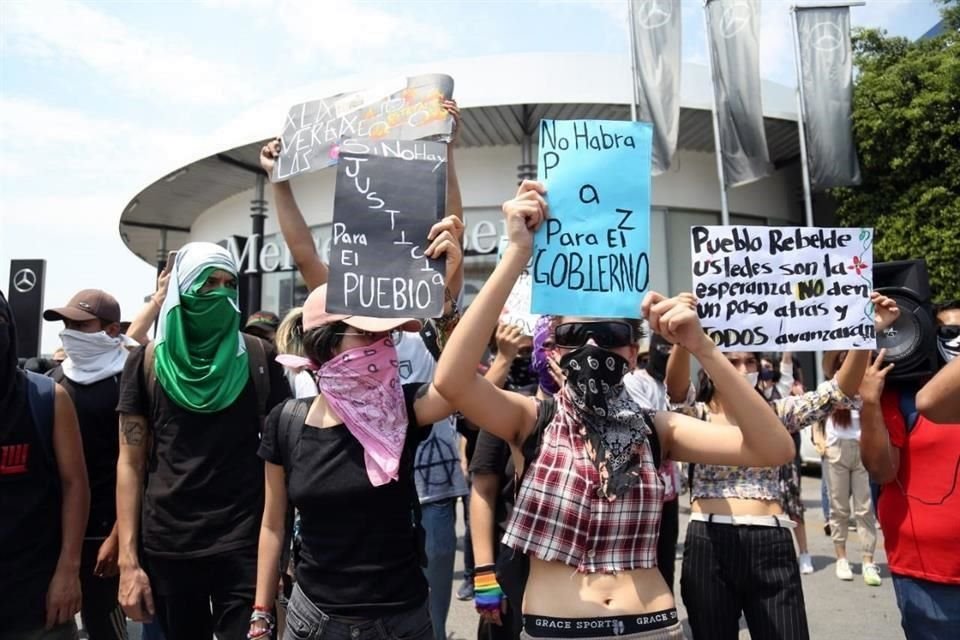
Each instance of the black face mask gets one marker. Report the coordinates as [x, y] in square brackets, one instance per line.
[520, 374]
[769, 375]
[593, 376]
[657, 360]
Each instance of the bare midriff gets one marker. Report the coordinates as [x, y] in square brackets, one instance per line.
[558, 590]
[737, 506]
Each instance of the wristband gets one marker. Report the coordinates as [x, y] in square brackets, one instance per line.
[266, 616]
[488, 595]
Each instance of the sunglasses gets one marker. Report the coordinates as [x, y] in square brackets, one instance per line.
[607, 334]
[948, 331]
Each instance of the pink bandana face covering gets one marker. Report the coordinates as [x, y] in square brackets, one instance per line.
[362, 385]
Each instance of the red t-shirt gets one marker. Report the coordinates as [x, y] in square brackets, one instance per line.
[920, 511]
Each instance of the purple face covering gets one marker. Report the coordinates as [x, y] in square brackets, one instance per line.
[539, 362]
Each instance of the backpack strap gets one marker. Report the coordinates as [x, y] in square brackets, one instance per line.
[150, 374]
[41, 396]
[293, 415]
[259, 371]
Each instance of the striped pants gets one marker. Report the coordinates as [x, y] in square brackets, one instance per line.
[730, 569]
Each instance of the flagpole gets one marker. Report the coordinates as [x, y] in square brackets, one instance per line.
[632, 34]
[724, 210]
[801, 120]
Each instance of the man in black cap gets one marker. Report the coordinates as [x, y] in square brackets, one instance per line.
[263, 324]
[96, 353]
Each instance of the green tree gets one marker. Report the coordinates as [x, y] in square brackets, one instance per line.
[906, 121]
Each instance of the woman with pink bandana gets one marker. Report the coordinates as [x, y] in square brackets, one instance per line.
[344, 459]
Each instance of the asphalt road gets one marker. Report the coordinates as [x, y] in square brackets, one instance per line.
[835, 609]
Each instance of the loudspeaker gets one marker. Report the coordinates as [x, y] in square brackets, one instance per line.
[911, 342]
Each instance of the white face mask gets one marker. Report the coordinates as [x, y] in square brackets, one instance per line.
[92, 357]
[751, 378]
[949, 349]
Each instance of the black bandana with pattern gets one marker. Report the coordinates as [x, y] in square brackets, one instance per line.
[606, 416]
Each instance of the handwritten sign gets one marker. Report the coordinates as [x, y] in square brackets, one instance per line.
[591, 256]
[516, 311]
[784, 288]
[388, 195]
[405, 109]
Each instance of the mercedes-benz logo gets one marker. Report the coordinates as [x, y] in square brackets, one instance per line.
[652, 14]
[736, 16]
[891, 333]
[825, 36]
[24, 280]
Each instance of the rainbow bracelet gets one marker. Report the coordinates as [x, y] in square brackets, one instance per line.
[487, 592]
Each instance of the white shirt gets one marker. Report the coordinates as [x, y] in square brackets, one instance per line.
[850, 432]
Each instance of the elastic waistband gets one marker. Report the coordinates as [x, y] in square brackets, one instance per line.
[547, 627]
[745, 521]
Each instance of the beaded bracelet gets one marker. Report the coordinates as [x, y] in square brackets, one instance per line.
[259, 613]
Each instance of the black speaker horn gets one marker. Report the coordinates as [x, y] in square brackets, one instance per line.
[911, 342]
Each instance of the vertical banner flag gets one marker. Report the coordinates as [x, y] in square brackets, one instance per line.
[826, 71]
[784, 288]
[735, 59]
[656, 55]
[388, 195]
[404, 109]
[591, 255]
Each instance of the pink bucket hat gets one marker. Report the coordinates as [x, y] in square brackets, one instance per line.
[315, 315]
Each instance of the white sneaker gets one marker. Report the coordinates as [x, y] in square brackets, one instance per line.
[806, 564]
[843, 570]
[871, 575]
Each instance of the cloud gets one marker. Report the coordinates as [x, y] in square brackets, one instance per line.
[139, 62]
[347, 34]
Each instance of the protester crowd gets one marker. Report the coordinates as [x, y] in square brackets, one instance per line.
[299, 478]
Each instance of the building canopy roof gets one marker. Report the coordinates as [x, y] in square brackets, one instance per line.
[501, 98]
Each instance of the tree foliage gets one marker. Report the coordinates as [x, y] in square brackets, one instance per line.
[906, 121]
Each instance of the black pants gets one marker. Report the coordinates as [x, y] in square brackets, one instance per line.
[667, 542]
[197, 598]
[102, 616]
[305, 621]
[728, 569]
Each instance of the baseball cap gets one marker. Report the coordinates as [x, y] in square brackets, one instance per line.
[315, 315]
[267, 319]
[87, 305]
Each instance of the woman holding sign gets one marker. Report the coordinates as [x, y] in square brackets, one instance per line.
[590, 500]
[345, 461]
[739, 556]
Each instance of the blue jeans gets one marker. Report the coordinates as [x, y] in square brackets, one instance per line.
[307, 622]
[928, 610]
[439, 522]
[152, 631]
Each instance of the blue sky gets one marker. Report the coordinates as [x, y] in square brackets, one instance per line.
[97, 97]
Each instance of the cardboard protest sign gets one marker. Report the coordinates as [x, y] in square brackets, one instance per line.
[591, 256]
[784, 288]
[516, 311]
[404, 109]
[388, 195]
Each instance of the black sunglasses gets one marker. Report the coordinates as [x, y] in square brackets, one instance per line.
[948, 331]
[608, 334]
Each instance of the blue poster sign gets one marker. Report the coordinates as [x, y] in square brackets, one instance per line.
[591, 256]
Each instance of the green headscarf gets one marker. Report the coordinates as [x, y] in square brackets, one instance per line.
[200, 357]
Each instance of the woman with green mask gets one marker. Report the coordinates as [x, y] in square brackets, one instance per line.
[190, 408]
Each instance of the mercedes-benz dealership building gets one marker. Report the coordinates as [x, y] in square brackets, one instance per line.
[219, 196]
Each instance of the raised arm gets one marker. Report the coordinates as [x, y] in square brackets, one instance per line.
[140, 326]
[851, 373]
[678, 374]
[939, 399]
[63, 593]
[759, 440]
[508, 416]
[135, 595]
[510, 340]
[454, 201]
[296, 233]
[880, 457]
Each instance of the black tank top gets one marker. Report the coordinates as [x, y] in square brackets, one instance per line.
[30, 526]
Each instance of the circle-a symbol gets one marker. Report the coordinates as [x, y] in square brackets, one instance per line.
[652, 14]
[24, 280]
[825, 36]
[735, 17]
